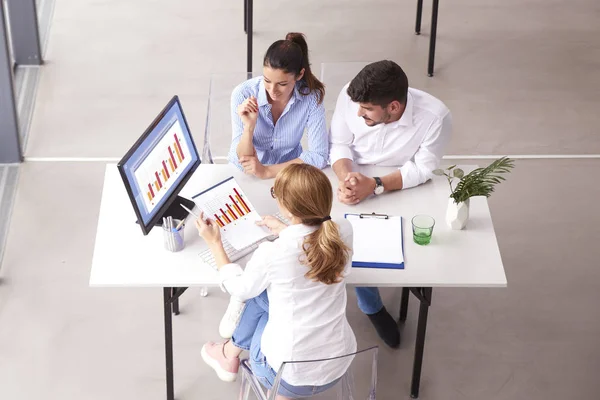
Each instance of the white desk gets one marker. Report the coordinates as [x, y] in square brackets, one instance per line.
[467, 258]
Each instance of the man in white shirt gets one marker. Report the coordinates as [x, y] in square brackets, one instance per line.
[379, 120]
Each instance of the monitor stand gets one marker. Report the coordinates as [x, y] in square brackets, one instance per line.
[176, 211]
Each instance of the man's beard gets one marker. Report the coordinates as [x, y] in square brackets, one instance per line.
[385, 118]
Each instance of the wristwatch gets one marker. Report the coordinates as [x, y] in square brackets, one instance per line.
[378, 185]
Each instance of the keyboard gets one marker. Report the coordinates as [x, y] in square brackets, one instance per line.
[236, 254]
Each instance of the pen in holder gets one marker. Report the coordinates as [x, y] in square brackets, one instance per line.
[173, 230]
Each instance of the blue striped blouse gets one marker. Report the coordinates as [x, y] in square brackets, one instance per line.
[278, 143]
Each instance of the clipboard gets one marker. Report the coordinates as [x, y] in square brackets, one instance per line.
[378, 241]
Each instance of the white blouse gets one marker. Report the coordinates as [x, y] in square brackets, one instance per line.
[307, 319]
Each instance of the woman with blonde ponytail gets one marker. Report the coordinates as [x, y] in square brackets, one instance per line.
[294, 290]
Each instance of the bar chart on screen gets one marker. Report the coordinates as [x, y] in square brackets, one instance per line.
[161, 168]
[228, 206]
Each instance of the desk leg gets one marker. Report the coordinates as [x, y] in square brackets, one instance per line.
[167, 295]
[174, 299]
[434, 16]
[424, 296]
[171, 306]
[404, 304]
[249, 16]
[419, 14]
[175, 304]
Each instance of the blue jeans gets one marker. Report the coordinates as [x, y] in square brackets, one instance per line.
[247, 336]
[369, 300]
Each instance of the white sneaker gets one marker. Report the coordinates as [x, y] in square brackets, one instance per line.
[231, 318]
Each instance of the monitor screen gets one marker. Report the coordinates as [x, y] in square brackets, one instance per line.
[159, 164]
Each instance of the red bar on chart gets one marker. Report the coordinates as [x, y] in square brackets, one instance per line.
[172, 158]
[178, 146]
[150, 189]
[243, 205]
[225, 215]
[239, 210]
[166, 170]
[239, 197]
[158, 179]
[219, 220]
[231, 212]
[177, 152]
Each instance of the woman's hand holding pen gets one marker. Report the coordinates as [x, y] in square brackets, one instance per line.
[248, 112]
[208, 230]
[211, 233]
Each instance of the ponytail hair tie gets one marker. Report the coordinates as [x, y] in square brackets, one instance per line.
[327, 218]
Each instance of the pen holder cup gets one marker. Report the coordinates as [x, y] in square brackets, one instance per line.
[174, 239]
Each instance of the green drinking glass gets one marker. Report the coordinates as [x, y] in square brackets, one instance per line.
[422, 226]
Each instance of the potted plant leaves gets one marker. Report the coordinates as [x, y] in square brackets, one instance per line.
[479, 182]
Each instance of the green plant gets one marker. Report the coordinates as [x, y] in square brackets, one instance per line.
[479, 182]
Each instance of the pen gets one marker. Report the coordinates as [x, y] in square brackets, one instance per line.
[190, 211]
[167, 239]
[171, 238]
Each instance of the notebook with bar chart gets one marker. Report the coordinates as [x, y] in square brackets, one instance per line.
[227, 204]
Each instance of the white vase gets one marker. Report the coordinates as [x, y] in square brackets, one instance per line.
[457, 215]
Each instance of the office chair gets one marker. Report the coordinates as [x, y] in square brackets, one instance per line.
[345, 389]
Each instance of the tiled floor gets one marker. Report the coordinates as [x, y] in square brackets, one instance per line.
[520, 78]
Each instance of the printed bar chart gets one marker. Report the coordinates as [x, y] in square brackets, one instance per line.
[233, 212]
[218, 219]
[238, 209]
[229, 209]
[237, 195]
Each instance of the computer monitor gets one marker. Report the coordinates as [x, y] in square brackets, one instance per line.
[158, 166]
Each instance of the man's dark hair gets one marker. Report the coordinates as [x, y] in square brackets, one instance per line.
[379, 83]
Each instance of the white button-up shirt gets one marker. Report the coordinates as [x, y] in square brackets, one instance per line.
[307, 319]
[415, 143]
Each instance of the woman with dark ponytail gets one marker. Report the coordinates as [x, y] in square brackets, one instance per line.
[270, 113]
[294, 291]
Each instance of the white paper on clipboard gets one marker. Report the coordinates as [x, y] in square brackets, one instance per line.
[377, 241]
